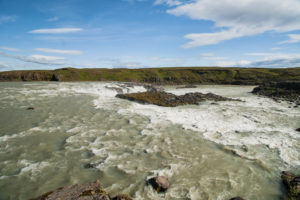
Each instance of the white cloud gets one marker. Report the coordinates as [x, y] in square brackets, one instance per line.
[294, 38]
[9, 48]
[165, 59]
[275, 48]
[210, 56]
[128, 65]
[52, 19]
[56, 30]
[45, 59]
[268, 60]
[120, 63]
[59, 51]
[240, 18]
[38, 59]
[6, 19]
[168, 2]
[4, 65]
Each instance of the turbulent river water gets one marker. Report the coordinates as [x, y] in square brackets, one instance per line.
[208, 151]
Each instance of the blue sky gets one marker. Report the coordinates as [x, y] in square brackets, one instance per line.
[44, 34]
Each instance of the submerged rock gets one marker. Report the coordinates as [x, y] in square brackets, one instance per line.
[289, 91]
[30, 108]
[292, 184]
[171, 100]
[89, 191]
[298, 129]
[159, 183]
[237, 198]
[187, 86]
[122, 197]
[90, 165]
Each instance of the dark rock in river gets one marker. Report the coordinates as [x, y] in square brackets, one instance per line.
[90, 165]
[122, 197]
[298, 129]
[289, 91]
[292, 184]
[89, 191]
[237, 198]
[30, 108]
[171, 100]
[159, 183]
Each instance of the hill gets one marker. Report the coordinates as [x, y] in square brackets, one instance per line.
[160, 76]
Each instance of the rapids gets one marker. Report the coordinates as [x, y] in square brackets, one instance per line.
[208, 151]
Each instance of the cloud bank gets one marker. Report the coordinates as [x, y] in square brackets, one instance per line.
[37, 59]
[239, 18]
[59, 51]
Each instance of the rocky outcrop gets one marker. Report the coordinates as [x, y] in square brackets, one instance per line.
[89, 191]
[292, 184]
[289, 91]
[159, 183]
[171, 100]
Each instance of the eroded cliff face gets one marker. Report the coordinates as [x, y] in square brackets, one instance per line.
[25, 76]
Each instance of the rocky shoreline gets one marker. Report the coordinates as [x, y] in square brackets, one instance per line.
[288, 91]
[94, 190]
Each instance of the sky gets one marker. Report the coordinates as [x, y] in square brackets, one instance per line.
[51, 34]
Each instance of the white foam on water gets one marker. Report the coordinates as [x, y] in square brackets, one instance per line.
[32, 168]
[254, 121]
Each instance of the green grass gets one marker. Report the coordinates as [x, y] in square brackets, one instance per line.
[172, 76]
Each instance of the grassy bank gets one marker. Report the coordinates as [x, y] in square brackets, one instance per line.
[182, 75]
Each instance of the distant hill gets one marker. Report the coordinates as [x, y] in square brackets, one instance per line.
[160, 76]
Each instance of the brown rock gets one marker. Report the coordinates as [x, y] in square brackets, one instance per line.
[159, 183]
[292, 184]
[30, 108]
[171, 100]
[89, 191]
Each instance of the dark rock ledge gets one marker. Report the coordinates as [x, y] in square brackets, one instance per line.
[288, 91]
[292, 184]
[88, 191]
[165, 99]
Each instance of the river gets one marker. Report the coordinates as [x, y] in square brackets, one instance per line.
[209, 151]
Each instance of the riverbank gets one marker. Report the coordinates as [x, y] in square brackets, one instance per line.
[160, 76]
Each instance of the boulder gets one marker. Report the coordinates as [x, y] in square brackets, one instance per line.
[90, 165]
[30, 108]
[159, 183]
[292, 184]
[298, 129]
[89, 191]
